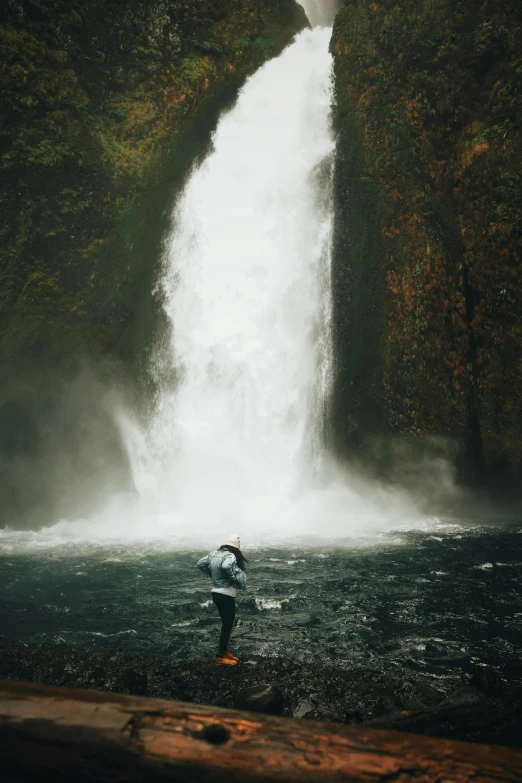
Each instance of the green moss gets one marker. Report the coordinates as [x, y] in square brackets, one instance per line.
[431, 92]
[105, 107]
[95, 105]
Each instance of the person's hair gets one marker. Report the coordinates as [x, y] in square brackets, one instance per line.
[240, 558]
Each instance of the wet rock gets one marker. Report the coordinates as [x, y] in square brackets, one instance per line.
[408, 697]
[352, 718]
[303, 708]
[129, 681]
[466, 714]
[387, 704]
[309, 621]
[358, 694]
[467, 694]
[486, 679]
[260, 698]
[477, 194]
[96, 677]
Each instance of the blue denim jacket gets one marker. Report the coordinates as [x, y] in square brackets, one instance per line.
[222, 566]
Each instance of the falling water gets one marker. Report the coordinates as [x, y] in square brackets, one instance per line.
[321, 12]
[246, 287]
[236, 440]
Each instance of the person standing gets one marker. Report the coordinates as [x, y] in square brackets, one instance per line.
[226, 567]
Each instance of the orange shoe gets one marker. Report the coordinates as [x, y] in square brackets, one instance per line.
[223, 660]
[229, 654]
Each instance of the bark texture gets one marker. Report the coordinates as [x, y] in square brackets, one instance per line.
[56, 734]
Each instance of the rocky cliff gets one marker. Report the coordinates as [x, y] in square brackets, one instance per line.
[427, 273]
[105, 106]
[97, 99]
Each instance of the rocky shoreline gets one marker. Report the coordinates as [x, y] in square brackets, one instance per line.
[484, 710]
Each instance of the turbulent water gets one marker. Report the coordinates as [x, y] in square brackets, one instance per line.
[433, 604]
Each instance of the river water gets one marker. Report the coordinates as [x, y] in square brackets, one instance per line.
[431, 601]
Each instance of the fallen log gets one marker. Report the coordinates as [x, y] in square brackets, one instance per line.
[57, 734]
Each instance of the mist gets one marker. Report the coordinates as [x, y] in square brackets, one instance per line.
[235, 431]
[236, 437]
[61, 448]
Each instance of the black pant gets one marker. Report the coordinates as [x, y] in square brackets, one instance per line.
[227, 611]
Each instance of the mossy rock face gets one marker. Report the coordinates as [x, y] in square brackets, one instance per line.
[96, 101]
[427, 272]
[105, 106]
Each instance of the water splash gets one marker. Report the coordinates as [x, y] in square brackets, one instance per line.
[246, 293]
[237, 441]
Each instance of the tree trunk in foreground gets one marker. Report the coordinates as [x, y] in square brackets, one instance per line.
[57, 734]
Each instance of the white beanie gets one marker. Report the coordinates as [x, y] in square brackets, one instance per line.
[233, 540]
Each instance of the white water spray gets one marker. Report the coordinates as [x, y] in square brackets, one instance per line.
[235, 442]
[246, 288]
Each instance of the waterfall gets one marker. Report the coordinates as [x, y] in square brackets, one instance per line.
[236, 440]
[321, 12]
[246, 291]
